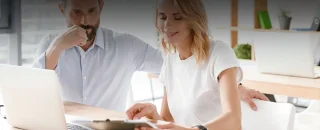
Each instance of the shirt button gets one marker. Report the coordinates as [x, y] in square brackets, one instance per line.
[84, 78]
[85, 98]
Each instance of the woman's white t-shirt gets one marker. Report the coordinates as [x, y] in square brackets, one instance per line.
[193, 91]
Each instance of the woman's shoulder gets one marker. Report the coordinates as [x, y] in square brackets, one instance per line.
[218, 47]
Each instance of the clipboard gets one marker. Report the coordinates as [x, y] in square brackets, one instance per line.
[109, 124]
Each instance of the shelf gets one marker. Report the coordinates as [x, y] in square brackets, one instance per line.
[266, 30]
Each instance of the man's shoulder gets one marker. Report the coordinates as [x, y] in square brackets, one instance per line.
[47, 39]
[110, 33]
[52, 35]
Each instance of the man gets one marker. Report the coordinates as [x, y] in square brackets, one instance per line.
[94, 64]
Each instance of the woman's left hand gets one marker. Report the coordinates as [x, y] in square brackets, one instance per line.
[247, 95]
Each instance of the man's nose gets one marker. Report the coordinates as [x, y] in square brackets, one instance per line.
[84, 20]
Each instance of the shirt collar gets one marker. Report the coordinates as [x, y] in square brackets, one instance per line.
[99, 40]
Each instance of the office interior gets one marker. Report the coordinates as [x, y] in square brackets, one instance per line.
[231, 21]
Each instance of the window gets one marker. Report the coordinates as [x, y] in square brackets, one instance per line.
[39, 18]
[4, 49]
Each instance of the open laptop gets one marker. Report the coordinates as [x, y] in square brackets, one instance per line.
[32, 100]
[286, 53]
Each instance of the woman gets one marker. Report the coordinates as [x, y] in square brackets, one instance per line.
[201, 76]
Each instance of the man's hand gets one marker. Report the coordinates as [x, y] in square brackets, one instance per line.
[74, 36]
[247, 95]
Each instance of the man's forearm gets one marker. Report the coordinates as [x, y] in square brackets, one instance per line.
[52, 57]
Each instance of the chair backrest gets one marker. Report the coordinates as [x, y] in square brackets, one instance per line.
[269, 116]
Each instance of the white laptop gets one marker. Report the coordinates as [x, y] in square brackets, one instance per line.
[32, 98]
[286, 53]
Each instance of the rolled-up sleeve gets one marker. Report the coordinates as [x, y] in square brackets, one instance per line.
[40, 57]
[40, 61]
[147, 58]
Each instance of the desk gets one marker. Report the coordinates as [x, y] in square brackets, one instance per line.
[80, 110]
[279, 84]
[83, 111]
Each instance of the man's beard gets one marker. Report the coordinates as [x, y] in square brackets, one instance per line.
[93, 32]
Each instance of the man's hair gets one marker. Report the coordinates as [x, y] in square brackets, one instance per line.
[64, 2]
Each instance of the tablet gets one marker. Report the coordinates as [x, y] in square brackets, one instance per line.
[114, 124]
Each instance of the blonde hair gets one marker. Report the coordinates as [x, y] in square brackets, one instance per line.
[194, 12]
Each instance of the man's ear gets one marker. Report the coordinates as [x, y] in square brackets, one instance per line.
[61, 8]
[101, 5]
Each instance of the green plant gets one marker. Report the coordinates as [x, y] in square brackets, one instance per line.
[285, 13]
[243, 51]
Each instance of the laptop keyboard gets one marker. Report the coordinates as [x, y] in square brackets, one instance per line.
[76, 127]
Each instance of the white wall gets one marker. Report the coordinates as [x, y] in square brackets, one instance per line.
[42, 16]
[302, 12]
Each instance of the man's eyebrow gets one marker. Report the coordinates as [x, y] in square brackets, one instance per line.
[93, 8]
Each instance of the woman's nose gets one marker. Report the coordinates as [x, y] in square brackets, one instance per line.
[168, 23]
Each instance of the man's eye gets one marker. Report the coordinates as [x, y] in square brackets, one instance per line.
[92, 10]
[77, 12]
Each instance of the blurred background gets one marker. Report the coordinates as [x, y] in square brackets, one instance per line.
[40, 17]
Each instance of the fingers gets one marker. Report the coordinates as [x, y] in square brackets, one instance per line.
[78, 27]
[256, 94]
[262, 96]
[82, 34]
[249, 101]
[143, 112]
[131, 112]
[81, 42]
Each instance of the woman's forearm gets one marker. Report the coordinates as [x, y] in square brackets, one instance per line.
[230, 118]
[227, 121]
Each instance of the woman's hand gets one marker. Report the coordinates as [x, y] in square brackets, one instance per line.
[140, 110]
[247, 95]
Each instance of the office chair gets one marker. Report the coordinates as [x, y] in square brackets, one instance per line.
[309, 118]
[269, 116]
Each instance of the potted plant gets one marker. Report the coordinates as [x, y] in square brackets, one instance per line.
[284, 19]
[243, 51]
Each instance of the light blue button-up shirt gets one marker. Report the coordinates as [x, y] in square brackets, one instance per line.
[101, 76]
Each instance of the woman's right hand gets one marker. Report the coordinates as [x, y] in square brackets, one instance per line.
[140, 110]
